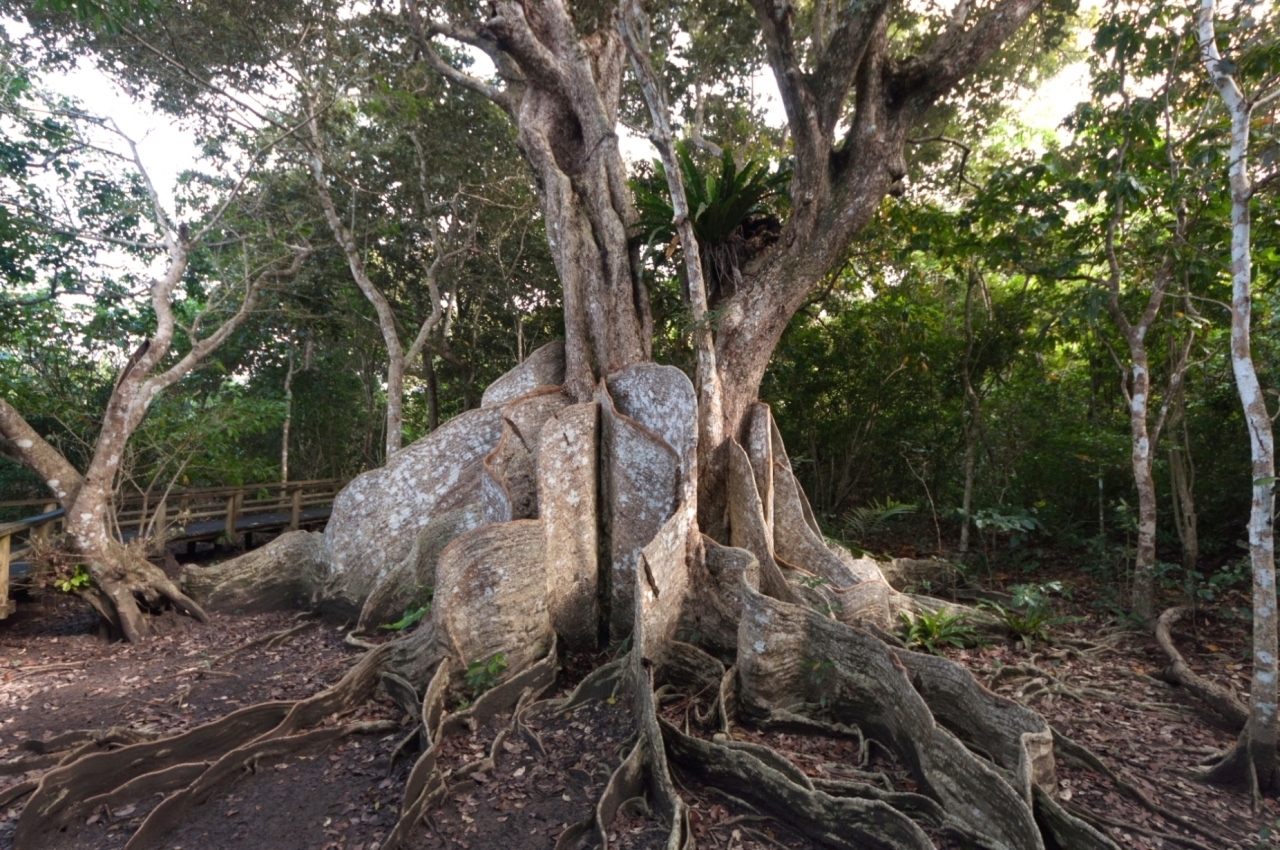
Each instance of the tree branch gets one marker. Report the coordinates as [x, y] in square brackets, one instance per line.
[634, 27]
[811, 146]
[838, 61]
[202, 348]
[956, 53]
[422, 36]
[20, 442]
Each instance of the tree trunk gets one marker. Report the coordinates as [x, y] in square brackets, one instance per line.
[126, 587]
[1145, 556]
[1182, 497]
[973, 409]
[566, 111]
[121, 577]
[707, 380]
[433, 392]
[1256, 748]
[1182, 477]
[561, 84]
[288, 420]
[398, 357]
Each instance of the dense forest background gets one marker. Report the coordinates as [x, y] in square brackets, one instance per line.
[964, 344]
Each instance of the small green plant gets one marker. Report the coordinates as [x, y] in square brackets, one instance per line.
[1264, 835]
[417, 609]
[1030, 615]
[1028, 626]
[726, 205]
[411, 616]
[78, 580]
[866, 520]
[931, 631]
[1037, 595]
[483, 675]
[1018, 524]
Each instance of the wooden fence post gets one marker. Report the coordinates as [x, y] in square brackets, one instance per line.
[231, 515]
[40, 534]
[6, 607]
[295, 514]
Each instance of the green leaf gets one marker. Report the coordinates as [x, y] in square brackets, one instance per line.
[410, 618]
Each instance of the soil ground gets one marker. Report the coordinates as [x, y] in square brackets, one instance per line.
[55, 676]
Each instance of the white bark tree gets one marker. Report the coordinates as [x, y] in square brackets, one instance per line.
[1254, 755]
[122, 580]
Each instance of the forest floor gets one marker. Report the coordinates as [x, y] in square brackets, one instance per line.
[55, 676]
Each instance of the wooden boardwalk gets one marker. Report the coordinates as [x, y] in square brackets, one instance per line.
[217, 514]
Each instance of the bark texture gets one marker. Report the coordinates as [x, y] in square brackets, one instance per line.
[289, 572]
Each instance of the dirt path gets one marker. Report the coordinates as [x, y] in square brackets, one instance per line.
[55, 677]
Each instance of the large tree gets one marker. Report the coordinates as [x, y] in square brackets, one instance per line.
[852, 95]
[582, 503]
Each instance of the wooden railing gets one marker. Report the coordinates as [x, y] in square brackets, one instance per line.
[17, 539]
[192, 514]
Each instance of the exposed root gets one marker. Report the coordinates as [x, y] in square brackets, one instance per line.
[1240, 767]
[213, 778]
[1216, 697]
[68, 740]
[1085, 756]
[124, 583]
[1103, 820]
[1043, 682]
[13, 792]
[23, 672]
[273, 640]
[288, 572]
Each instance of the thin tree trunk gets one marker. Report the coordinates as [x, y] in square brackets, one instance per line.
[433, 392]
[1140, 456]
[381, 307]
[1182, 479]
[398, 358]
[288, 420]
[974, 423]
[634, 27]
[1184, 508]
[1135, 385]
[1260, 735]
